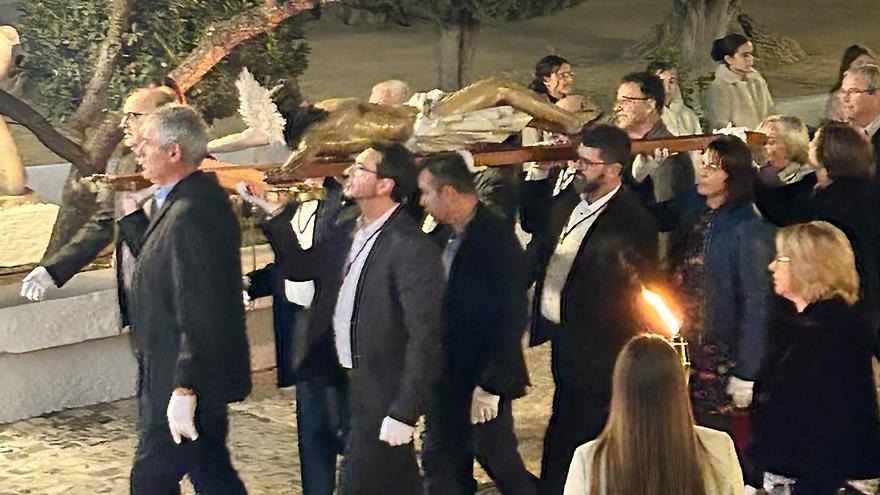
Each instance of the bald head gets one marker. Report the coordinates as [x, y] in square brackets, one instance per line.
[389, 93]
[141, 102]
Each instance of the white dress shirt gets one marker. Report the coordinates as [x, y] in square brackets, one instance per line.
[364, 238]
[303, 223]
[873, 127]
[581, 220]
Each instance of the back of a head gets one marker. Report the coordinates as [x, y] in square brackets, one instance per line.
[649, 445]
[657, 66]
[450, 169]
[650, 85]
[614, 143]
[397, 164]
[183, 125]
[390, 93]
[845, 152]
[727, 46]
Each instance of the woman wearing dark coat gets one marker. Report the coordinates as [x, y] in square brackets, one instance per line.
[844, 195]
[816, 415]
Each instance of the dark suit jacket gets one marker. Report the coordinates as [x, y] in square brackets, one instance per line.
[88, 242]
[484, 306]
[600, 298]
[187, 316]
[395, 330]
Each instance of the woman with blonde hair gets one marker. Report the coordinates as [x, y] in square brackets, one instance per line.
[784, 157]
[816, 416]
[650, 444]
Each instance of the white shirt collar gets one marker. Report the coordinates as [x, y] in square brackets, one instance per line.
[599, 203]
[873, 127]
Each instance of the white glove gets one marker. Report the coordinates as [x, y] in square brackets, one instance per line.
[741, 391]
[36, 283]
[484, 406]
[643, 165]
[395, 433]
[181, 417]
[245, 284]
[245, 192]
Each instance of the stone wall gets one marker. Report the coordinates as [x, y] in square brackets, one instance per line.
[70, 351]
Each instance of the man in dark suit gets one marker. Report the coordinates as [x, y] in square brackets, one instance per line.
[597, 249]
[186, 311]
[378, 299]
[99, 231]
[484, 317]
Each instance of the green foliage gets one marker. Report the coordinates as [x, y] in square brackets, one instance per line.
[61, 40]
[479, 10]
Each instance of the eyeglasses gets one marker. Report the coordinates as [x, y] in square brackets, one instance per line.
[583, 162]
[782, 259]
[129, 116]
[849, 93]
[630, 99]
[361, 167]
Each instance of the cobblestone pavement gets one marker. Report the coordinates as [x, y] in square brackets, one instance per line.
[89, 450]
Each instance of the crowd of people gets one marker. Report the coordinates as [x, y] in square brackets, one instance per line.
[409, 290]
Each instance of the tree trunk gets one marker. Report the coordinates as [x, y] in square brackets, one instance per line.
[456, 48]
[701, 22]
[688, 33]
[77, 206]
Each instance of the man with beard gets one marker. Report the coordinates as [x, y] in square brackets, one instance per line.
[599, 246]
[639, 107]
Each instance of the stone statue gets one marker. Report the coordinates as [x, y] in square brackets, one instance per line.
[12, 174]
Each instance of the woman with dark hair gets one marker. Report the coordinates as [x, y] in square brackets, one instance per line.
[553, 78]
[718, 250]
[739, 94]
[844, 195]
[650, 444]
[854, 56]
[816, 414]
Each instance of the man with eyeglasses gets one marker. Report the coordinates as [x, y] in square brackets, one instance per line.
[378, 300]
[639, 108]
[99, 230]
[599, 246]
[860, 92]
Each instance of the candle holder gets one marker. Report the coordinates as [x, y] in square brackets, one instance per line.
[681, 348]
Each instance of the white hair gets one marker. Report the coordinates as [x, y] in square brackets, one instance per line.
[183, 125]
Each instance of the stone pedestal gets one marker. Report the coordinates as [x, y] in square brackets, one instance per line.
[25, 229]
[69, 351]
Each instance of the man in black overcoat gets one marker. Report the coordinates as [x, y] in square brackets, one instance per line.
[598, 248]
[100, 229]
[378, 297]
[187, 315]
[484, 318]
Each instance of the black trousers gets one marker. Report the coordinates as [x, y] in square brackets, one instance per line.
[577, 418]
[160, 464]
[371, 466]
[451, 442]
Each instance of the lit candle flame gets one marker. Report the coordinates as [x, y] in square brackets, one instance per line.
[660, 306]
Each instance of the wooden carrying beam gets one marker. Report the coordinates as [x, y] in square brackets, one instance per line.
[230, 174]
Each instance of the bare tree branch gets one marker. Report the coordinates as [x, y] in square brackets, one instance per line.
[58, 143]
[225, 35]
[95, 96]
